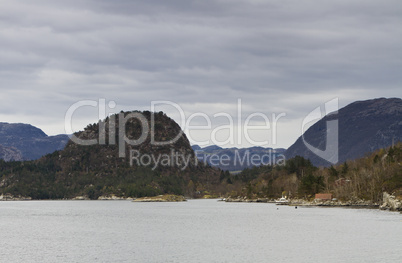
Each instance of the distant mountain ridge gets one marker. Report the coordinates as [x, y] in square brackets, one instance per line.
[364, 126]
[237, 159]
[30, 141]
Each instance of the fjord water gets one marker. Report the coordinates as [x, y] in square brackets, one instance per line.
[194, 231]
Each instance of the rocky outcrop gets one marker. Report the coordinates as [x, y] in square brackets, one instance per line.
[390, 202]
[248, 200]
[10, 154]
[81, 198]
[111, 197]
[161, 198]
[9, 197]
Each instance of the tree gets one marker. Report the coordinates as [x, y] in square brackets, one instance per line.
[333, 172]
[345, 168]
[311, 184]
[190, 188]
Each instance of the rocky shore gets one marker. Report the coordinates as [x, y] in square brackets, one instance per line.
[389, 202]
[113, 197]
[162, 198]
[303, 202]
[357, 203]
[8, 197]
[247, 200]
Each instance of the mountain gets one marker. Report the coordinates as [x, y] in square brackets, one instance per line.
[363, 127]
[235, 159]
[139, 169]
[31, 142]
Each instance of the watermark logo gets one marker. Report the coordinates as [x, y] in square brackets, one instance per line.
[114, 125]
[330, 153]
[240, 158]
[243, 129]
[173, 159]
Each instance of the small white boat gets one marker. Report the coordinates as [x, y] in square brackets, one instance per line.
[282, 201]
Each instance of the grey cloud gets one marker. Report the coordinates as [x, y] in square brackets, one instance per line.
[277, 56]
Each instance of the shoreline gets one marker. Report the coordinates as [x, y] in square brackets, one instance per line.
[160, 198]
[390, 203]
[299, 202]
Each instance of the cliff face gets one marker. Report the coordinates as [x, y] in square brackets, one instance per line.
[31, 142]
[364, 126]
[10, 154]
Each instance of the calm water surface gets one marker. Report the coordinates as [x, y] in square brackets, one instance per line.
[194, 231]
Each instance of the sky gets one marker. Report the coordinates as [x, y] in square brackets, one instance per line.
[274, 58]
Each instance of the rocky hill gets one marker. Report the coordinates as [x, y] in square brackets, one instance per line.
[31, 142]
[360, 183]
[109, 167]
[364, 126]
[235, 159]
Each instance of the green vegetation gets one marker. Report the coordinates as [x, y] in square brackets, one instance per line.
[52, 178]
[97, 170]
[364, 178]
[46, 181]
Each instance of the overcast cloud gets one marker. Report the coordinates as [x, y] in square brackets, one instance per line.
[276, 56]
